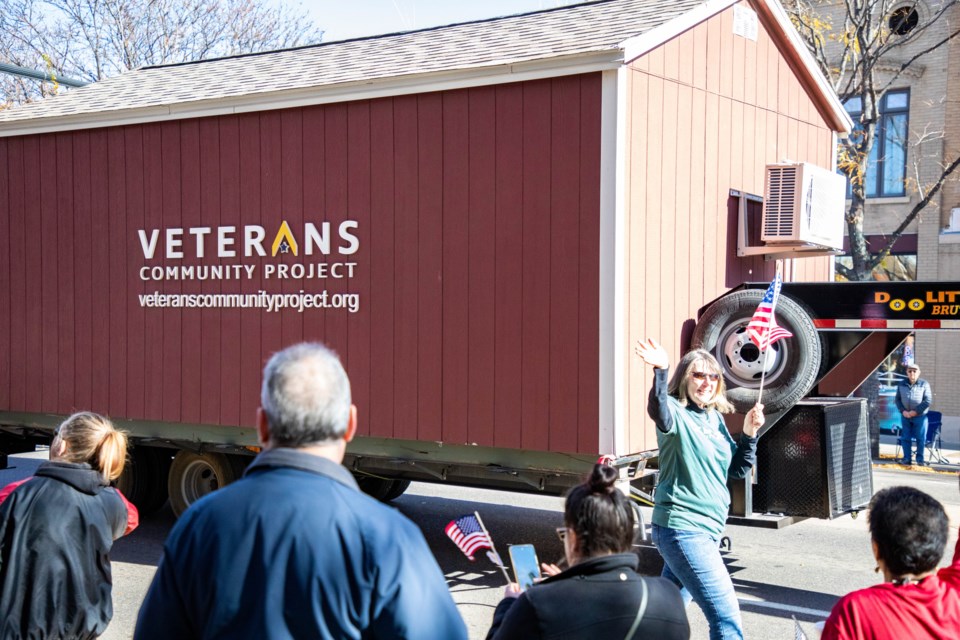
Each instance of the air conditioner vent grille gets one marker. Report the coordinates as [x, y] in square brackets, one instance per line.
[778, 220]
[803, 205]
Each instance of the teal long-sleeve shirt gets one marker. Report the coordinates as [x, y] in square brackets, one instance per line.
[697, 455]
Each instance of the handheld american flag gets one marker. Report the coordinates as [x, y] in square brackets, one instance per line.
[467, 534]
[763, 328]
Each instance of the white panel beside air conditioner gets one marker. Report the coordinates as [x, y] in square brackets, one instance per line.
[803, 204]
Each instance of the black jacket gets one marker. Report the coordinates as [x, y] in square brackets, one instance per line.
[56, 531]
[597, 598]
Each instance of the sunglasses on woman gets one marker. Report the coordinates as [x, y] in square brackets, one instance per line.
[700, 376]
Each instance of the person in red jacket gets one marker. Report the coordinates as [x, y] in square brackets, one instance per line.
[909, 533]
[56, 532]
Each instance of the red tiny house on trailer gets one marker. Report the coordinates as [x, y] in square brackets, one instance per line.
[481, 242]
[509, 247]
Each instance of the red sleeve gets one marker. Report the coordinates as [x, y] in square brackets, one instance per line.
[7, 490]
[842, 622]
[133, 516]
[954, 565]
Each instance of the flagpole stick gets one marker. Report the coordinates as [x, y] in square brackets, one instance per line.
[763, 373]
[493, 547]
[763, 352]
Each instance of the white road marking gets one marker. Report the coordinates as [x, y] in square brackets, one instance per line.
[784, 607]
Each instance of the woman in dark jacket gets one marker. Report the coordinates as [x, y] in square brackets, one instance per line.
[600, 595]
[56, 532]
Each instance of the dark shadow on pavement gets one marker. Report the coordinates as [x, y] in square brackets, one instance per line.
[801, 598]
[432, 514]
[145, 545]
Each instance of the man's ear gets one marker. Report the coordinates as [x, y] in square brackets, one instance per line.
[263, 428]
[351, 424]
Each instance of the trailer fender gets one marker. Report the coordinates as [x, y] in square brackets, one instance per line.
[144, 477]
[792, 364]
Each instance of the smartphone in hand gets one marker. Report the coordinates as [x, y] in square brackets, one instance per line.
[526, 568]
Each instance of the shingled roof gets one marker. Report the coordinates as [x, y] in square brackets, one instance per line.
[566, 31]
[428, 59]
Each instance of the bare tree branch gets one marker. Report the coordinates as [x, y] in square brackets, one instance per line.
[96, 39]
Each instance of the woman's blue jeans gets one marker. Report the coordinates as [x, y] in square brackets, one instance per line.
[692, 562]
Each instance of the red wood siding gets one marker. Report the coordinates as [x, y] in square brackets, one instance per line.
[707, 111]
[478, 267]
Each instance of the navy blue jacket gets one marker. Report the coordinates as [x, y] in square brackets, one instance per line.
[295, 550]
[56, 532]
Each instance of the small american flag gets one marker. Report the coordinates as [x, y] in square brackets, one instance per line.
[763, 328]
[467, 534]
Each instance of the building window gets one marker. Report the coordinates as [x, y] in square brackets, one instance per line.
[903, 20]
[886, 166]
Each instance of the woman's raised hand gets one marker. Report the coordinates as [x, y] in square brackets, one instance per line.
[652, 353]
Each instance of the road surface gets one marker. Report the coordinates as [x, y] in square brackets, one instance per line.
[799, 571]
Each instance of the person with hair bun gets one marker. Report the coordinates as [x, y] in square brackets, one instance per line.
[56, 532]
[697, 456]
[600, 595]
[909, 531]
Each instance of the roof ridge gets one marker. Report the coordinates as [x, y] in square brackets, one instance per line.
[318, 45]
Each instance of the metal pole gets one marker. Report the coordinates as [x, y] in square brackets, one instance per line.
[13, 69]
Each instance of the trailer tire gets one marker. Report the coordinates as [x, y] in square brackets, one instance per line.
[399, 486]
[792, 364]
[383, 489]
[195, 475]
[144, 478]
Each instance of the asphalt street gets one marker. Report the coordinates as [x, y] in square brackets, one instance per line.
[799, 571]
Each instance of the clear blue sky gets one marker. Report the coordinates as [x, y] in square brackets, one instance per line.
[342, 19]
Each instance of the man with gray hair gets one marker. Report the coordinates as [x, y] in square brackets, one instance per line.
[294, 549]
[913, 399]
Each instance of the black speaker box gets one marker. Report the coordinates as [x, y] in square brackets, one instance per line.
[815, 461]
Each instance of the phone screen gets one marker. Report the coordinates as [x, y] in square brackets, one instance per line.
[525, 566]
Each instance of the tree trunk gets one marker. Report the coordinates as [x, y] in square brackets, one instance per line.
[859, 252]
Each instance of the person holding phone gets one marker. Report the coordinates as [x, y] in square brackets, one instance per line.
[600, 595]
[697, 455]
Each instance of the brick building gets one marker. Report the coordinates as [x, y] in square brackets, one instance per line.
[924, 101]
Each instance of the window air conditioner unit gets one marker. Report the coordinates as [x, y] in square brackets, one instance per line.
[803, 205]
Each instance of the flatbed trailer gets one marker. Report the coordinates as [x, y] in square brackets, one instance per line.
[842, 332]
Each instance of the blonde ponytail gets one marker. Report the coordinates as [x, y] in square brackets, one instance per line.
[91, 438]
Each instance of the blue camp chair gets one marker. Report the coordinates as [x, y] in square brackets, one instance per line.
[933, 442]
[934, 422]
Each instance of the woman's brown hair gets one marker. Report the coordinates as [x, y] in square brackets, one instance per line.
[678, 384]
[92, 438]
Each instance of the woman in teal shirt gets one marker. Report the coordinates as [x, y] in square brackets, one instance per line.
[697, 455]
